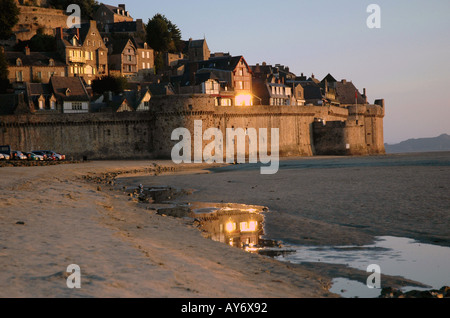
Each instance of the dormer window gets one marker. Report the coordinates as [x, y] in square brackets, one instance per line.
[51, 62]
[18, 62]
[68, 92]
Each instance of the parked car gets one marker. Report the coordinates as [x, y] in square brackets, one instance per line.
[53, 155]
[2, 157]
[6, 152]
[40, 153]
[33, 156]
[18, 155]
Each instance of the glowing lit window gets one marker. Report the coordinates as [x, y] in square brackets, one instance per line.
[230, 227]
[244, 100]
[248, 226]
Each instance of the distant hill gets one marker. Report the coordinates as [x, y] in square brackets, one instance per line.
[441, 143]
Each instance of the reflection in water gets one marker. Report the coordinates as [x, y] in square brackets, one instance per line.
[237, 225]
[396, 256]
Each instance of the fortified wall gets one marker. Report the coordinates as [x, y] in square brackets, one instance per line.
[95, 136]
[33, 18]
[303, 130]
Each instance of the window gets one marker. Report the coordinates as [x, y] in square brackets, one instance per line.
[148, 65]
[19, 76]
[241, 72]
[41, 104]
[129, 58]
[143, 55]
[148, 54]
[240, 84]
[77, 106]
[19, 62]
[52, 105]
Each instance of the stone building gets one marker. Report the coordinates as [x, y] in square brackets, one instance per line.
[30, 66]
[70, 94]
[231, 72]
[145, 60]
[84, 51]
[271, 88]
[107, 14]
[123, 57]
[197, 50]
[40, 98]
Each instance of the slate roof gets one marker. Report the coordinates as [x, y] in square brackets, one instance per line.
[329, 78]
[35, 91]
[226, 63]
[345, 93]
[77, 90]
[311, 90]
[34, 59]
[118, 44]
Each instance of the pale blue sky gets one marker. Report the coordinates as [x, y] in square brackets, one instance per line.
[406, 62]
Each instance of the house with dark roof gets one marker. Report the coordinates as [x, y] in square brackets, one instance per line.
[123, 57]
[107, 14]
[348, 94]
[84, 51]
[71, 94]
[40, 98]
[197, 50]
[231, 72]
[271, 87]
[27, 66]
[130, 28]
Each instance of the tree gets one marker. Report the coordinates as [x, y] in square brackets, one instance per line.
[43, 43]
[9, 16]
[4, 82]
[109, 83]
[163, 35]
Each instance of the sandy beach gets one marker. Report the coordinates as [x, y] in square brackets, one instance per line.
[54, 216]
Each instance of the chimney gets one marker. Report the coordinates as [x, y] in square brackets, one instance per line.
[78, 33]
[122, 6]
[59, 33]
[326, 86]
[27, 51]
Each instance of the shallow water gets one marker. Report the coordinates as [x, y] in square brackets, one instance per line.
[396, 256]
[242, 226]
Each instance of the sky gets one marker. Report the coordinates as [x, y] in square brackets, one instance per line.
[405, 61]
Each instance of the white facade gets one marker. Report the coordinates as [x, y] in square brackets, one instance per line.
[75, 107]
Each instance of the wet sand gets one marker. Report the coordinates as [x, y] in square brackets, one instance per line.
[51, 217]
[336, 201]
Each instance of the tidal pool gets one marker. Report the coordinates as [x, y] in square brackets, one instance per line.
[242, 226]
[396, 256]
